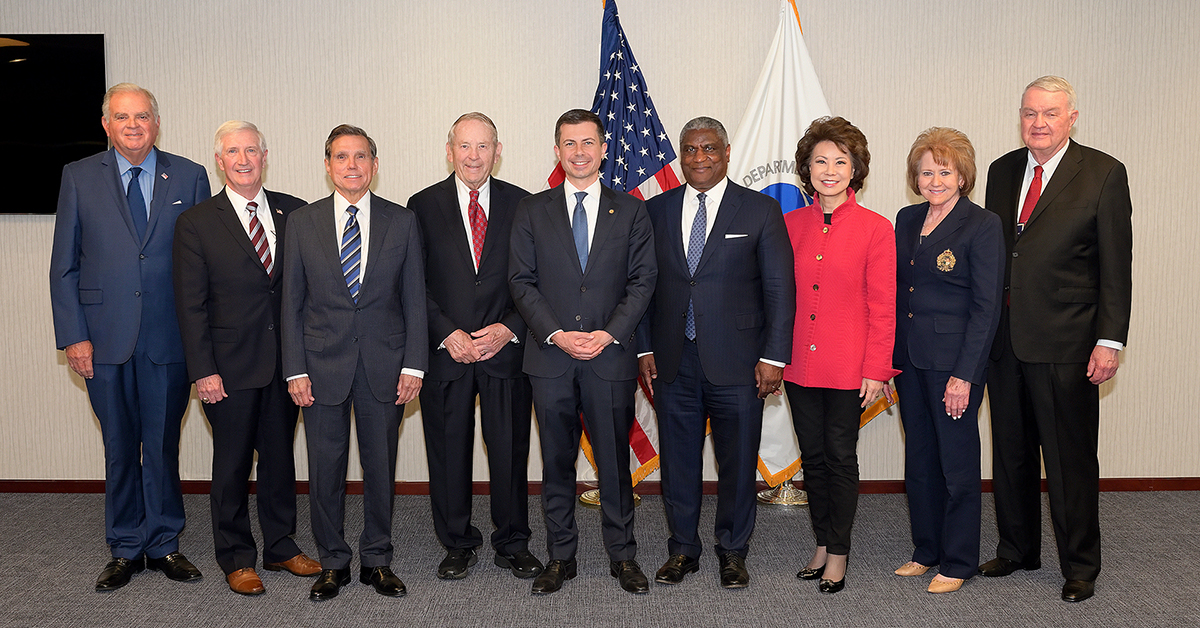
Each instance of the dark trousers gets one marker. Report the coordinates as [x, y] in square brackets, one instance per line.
[826, 423]
[448, 416]
[327, 428]
[941, 472]
[262, 420]
[607, 408]
[736, 417]
[1053, 405]
[140, 406]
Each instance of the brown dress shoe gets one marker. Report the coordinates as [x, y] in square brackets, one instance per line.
[246, 582]
[299, 565]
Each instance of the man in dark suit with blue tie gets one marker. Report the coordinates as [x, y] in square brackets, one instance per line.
[114, 316]
[582, 270]
[475, 335]
[714, 342]
[354, 334]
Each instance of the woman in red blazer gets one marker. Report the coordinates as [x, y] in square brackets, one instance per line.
[845, 262]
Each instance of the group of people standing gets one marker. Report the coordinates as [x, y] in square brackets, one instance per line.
[556, 302]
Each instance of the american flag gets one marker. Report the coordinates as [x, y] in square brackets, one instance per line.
[640, 158]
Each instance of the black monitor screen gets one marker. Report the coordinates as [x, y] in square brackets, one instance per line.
[54, 84]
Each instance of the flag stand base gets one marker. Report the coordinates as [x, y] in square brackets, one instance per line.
[786, 494]
[591, 498]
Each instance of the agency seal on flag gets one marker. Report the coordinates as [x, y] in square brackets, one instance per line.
[945, 261]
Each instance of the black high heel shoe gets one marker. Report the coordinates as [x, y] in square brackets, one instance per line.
[809, 573]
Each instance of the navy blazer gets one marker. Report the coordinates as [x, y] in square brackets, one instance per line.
[106, 286]
[458, 296]
[948, 290]
[552, 293]
[227, 304]
[325, 331]
[743, 292]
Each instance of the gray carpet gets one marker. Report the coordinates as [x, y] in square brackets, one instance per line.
[53, 548]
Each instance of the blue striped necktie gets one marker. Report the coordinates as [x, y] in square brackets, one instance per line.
[351, 253]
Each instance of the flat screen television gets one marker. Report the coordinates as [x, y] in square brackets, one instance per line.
[54, 84]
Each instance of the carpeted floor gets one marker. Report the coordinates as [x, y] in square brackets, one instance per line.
[53, 548]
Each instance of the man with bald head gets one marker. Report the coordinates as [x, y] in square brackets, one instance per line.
[114, 316]
[475, 348]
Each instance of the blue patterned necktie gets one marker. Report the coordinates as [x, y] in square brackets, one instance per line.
[579, 229]
[137, 203]
[695, 250]
[351, 252]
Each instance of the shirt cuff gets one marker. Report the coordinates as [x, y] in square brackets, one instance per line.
[772, 362]
[548, 338]
[1111, 344]
[297, 376]
[642, 355]
[414, 372]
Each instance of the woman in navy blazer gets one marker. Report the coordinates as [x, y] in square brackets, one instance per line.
[949, 274]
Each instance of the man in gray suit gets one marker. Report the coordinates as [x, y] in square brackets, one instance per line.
[354, 334]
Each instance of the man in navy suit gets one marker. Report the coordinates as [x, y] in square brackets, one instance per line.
[354, 335]
[228, 287]
[1068, 235]
[714, 342]
[582, 270]
[114, 316]
[475, 348]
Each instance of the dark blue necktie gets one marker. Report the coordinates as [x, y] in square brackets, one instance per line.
[579, 229]
[695, 250]
[137, 203]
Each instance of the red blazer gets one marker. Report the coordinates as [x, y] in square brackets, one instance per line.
[845, 296]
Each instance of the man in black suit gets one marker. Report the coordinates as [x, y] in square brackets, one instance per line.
[582, 271]
[228, 287]
[714, 342]
[354, 331]
[1066, 214]
[475, 350]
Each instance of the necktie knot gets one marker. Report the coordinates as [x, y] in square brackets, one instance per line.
[134, 172]
[474, 196]
[352, 210]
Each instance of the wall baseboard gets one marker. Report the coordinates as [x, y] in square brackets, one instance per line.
[865, 487]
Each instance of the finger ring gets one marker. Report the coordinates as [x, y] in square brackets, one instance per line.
[204, 399]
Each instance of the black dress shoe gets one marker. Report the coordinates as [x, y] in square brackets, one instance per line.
[175, 567]
[551, 578]
[522, 563]
[629, 574]
[117, 573]
[1078, 590]
[384, 581]
[676, 567]
[829, 586]
[328, 584]
[1000, 567]
[733, 571]
[454, 565]
[808, 573]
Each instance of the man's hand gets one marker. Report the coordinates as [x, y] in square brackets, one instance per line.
[407, 388]
[301, 391]
[491, 339]
[578, 344]
[461, 347]
[210, 389]
[1103, 364]
[957, 396]
[599, 340]
[79, 357]
[768, 377]
[647, 368]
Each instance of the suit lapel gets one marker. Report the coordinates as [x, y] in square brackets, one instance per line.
[730, 203]
[1066, 171]
[556, 216]
[328, 233]
[229, 217]
[496, 215]
[945, 229]
[380, 222]
[452, 217]
[280, 228]
[120, 202]
[605, 217]
[162, 192]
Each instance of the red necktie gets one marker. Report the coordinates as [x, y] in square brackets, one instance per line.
[258, 239]
[1031, 198]
[478, 225]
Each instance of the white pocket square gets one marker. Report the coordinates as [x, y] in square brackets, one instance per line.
[730, 236]
[177, 203]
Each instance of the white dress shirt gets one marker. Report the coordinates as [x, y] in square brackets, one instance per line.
[265, 218]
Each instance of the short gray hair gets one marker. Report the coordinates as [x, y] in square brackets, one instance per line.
[478, 117]
[1053, 83]
[126, 88]
[233, 126]
[705, 123]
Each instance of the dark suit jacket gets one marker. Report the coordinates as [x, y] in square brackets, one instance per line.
[1069, 276]
[105, 285]
[324, 331]
[459, 297]
[743, 292]
[228, 307]
[551, 293]
[948, 290]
